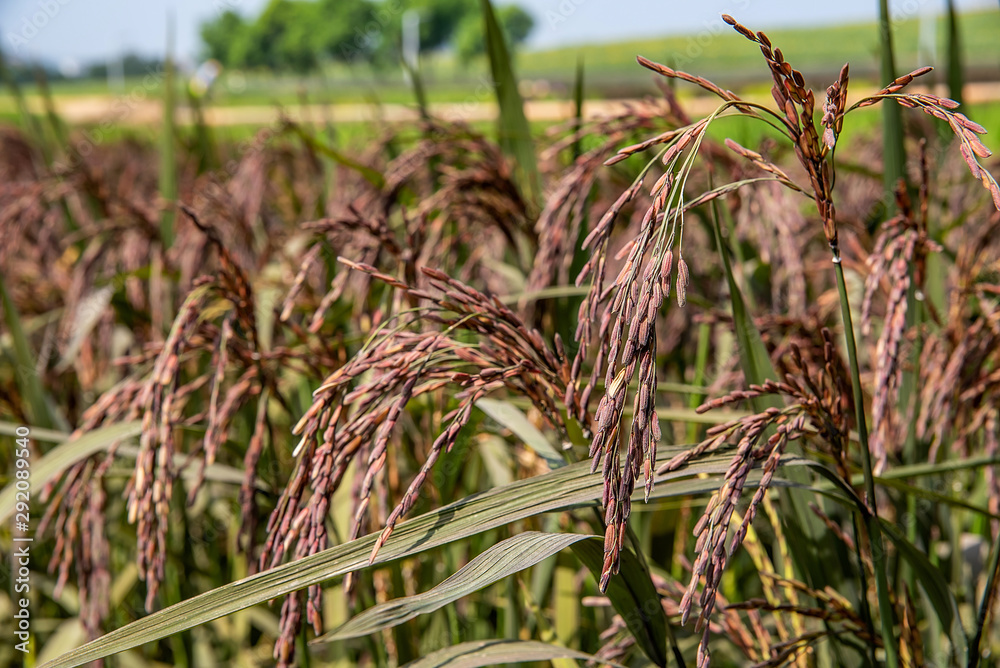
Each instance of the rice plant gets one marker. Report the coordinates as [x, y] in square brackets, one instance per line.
[392, 408]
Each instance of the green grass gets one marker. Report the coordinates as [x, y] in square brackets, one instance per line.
[815, 48]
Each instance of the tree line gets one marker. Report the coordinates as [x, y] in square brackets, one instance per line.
[300, 35]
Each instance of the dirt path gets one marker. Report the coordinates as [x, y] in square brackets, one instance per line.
[127, 112]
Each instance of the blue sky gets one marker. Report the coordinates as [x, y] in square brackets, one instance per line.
[84, 30]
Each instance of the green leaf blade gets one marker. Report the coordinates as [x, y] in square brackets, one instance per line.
[496, 652]
[933, 583]
[43, 411]
[568, 487]
[503, 559]
[65, 455]
[634, 597]
[515, 133]
[511, 417]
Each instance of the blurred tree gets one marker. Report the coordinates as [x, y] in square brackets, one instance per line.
[515, 22]
[350, 30]
[132, 65]
[298, 35]
[220, 35]
[282, 38]
[292, 35]
[439, 19]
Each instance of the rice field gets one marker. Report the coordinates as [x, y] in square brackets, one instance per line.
[676, 384]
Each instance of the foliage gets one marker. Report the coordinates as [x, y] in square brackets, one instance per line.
[220, 35]
[439, 20]
[290, 35]
[299, 35]
[354, 384]
[514, 21]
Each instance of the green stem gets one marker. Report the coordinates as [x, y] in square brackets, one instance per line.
[975, 648]
[871, 515]
[892, 118]
[956, 78]
[866, 612]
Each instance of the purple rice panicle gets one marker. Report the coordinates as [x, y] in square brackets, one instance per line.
[959, 386]
[795, 107]
[635, 307]
[832, 610]
[465, 198]
[158, 391]
[942, 108]
[627, 311]
[619, 642]
[816, 407]
[897, 262]
[356, 409]
[631, 305]
[560, 222]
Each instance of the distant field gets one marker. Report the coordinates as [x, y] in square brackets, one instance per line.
[610, 71]
[725, 55]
